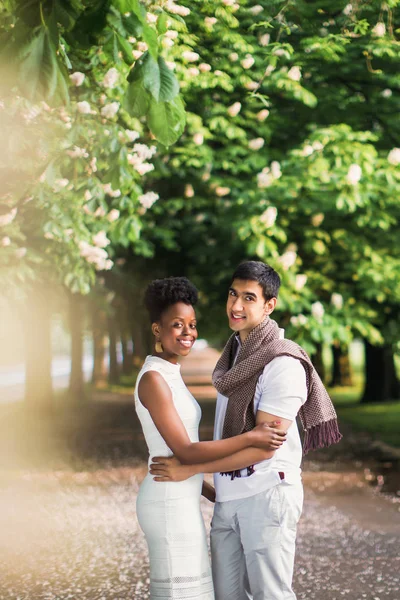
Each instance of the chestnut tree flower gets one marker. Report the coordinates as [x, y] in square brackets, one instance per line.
[234, 109]
[77, 78]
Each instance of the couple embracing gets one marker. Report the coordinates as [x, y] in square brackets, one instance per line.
[263, 382]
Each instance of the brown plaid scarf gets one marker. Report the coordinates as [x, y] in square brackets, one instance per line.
[239, 382]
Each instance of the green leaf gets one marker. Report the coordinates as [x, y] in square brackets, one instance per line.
[146, 73]
[137, 100]
[126, 49]
[150, 37]
[169, 86]
[162, 23]
[167, 120]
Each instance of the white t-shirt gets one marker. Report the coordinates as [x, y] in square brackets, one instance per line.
[281, 390]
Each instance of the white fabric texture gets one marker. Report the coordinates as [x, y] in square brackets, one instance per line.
[281, 390]
[253, 545]
[169, 512]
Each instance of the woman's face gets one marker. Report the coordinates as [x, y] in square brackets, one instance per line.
[176, 331]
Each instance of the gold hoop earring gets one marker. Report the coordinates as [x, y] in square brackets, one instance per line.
[158, 347]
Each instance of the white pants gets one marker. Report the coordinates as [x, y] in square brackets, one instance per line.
[253, 545]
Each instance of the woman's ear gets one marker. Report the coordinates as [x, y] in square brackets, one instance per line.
[155, 328]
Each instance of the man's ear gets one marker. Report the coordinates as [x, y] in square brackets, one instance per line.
[270, 306]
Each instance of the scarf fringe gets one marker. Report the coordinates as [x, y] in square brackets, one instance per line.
[321, 436]
[236, 474]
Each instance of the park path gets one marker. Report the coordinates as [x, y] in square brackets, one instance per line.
[72, 533]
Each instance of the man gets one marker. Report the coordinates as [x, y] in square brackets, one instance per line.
[260, 378]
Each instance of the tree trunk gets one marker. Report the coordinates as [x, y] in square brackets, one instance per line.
[318, 362]
[36, 320]
[381, 382]
[127, 354]
[341, 367]
[76, 317]
[140, 349]
[99, 374]
[113, 376]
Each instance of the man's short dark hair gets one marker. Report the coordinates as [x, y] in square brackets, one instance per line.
[266, 276]
[163, 293]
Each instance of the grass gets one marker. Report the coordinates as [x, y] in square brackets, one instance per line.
[381, 420]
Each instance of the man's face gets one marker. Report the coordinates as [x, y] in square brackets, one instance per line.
[246, 306]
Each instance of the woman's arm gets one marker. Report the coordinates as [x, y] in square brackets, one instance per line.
[155, 395]
[170, 469]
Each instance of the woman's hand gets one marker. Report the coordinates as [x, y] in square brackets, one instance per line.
[267, 436]
[170, 469]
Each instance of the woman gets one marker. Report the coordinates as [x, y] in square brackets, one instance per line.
[169, 513]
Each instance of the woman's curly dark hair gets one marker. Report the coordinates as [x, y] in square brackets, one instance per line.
[163, 293]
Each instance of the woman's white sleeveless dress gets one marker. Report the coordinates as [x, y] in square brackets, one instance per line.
[169, 512]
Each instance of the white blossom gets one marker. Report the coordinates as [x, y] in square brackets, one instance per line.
[5, 242]
[110, 78]
[264, 179]
[287, 259]
[348, 9]
[276, 169]
[317, 219]
[354, 174]
[265, 39]
[167, 42]
[210, 21]
[144, 152]
[337, 301]
[151, 17]
[317, 311]
[87, 195]
[147, 200]
[176, 9]
[379, 30]
[93, 165]
[99, 212]
[204, 67]
[256, 143]
[84, 107]
[198, 139]
[263, 114]
[268, 217]
[171, 34]
[256, 9]
[8, 218]
[270, 69]
[20, 252]
[77, 78]
[251, 85]
[317, 146]
[59, 184]
[189, 191]
[77, 152]
[110, 110]
[234, 109]
[234, 56]
[100, 239]
[307, 150]
[138, 53]
[222, 191]
[298, 320]
[144, 168]
[193, 71]
[110, 192]
[95, 255]
[394, 157]
[132, 135]
[294, 74]
[386, 93]
[247, 62]
[190, 56]
[113, 215]
[170, 64]
[228, 2]
[300, 281]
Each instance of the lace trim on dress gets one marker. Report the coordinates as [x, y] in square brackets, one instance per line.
[183, 588]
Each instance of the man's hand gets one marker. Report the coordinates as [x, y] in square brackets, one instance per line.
[170, 469]
[267, 436]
